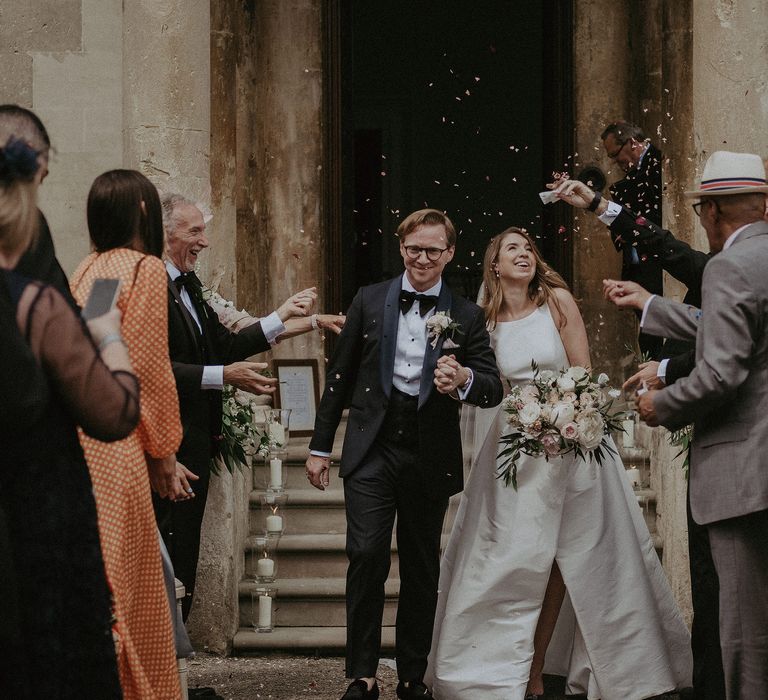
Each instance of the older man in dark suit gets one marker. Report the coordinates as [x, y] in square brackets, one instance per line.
[409, 350]
[204, 357]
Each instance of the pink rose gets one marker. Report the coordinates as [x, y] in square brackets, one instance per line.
[570, 431]
[551, 444]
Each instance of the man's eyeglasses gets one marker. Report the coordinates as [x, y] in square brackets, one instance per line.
[615, 154]
[433, 254]
[696, 206]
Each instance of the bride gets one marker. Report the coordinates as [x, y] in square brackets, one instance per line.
[572, 530]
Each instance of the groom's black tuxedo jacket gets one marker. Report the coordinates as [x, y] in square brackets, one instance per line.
[190, 352]
[360, 374]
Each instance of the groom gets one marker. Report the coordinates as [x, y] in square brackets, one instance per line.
[403, 374]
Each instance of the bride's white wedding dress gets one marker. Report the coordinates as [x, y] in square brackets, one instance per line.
[626, 640]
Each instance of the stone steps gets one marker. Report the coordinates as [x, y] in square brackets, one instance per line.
[311, 602]
[307, 640]
[309, 608]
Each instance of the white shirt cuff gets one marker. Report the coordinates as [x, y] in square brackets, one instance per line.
[213, 377]
[610, 214]
[318, 453]
[272, 327]
[645, 309]
[661, 372]
[464, 390]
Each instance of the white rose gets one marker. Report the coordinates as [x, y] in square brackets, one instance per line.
[566, 383]
[529, 393]
[602, 379]
[578, 374]
[587, 399]
[569, 396]
[547, 376]
[242, 398]
[440, 322]
[529, 413]
[614, 393]
[591, 428]
[562, 413]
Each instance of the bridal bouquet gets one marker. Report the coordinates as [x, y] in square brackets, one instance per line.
[557, 413]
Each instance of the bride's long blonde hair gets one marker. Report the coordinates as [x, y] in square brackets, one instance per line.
[540, 289]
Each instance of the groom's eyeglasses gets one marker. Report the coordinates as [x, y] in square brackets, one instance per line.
[433, 254]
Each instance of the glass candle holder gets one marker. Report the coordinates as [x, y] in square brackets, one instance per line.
[264, 562]
[263, 608]
[273, 474]
[277, 425]
[273, 508]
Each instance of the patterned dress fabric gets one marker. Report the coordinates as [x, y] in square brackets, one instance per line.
[129, 536]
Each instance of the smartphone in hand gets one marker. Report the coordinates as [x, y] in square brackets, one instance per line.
[102, 298]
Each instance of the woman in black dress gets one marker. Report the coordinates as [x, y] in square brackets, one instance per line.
[60, 376]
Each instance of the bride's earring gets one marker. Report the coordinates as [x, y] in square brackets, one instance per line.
[496, 270]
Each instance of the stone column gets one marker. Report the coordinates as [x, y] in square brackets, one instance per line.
[602, 93]
[166, 108]
[281, 244]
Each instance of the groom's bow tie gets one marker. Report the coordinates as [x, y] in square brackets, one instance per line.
[426, 302]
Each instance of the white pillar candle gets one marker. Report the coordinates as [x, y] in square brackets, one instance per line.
[265, 611]
[276, 473]
[274, 523]
[265, 567]
[633, 474]
[629, 433]
[277, 433]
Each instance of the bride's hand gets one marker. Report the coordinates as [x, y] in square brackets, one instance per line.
[449, 374]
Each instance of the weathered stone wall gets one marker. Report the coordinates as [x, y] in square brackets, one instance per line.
[64, 60]
[281, 244]
[601, 89]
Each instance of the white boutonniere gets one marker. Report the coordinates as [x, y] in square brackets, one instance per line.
[442, 325]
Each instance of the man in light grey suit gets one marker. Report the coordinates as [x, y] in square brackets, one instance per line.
[726, 397]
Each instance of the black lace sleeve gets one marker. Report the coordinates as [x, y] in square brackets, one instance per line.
[105, 404]
[22, 382]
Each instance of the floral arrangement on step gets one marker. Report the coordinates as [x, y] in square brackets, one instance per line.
[555, 414]
[240, 436]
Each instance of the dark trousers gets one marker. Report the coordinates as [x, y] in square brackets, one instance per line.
[179, 525]
[740, 552]
[387, 484]
[708, 680]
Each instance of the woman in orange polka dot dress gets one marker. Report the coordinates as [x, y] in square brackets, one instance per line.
[125, 224]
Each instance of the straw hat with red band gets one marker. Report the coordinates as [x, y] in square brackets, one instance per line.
[731, 173]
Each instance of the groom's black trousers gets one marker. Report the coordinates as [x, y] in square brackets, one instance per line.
[385, 484]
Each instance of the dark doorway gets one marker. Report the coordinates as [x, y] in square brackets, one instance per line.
[461, 106]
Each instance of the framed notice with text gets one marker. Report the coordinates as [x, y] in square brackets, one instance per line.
[299, 390]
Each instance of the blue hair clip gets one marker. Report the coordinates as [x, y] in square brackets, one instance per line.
[18, 161]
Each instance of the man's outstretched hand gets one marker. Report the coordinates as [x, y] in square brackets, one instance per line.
[300, 304]
[246, 376]
[625, 294]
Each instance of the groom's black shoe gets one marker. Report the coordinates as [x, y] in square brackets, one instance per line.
[358, 690]
[412, 690]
